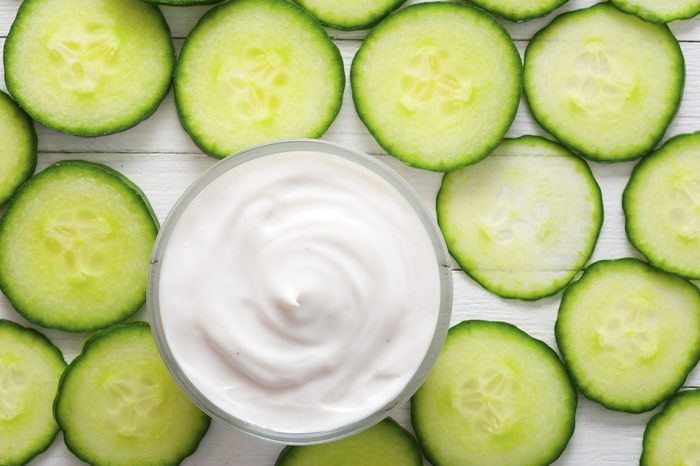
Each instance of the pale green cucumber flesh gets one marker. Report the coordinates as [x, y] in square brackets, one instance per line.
[75, 247]
[118, 405]
[495, 397]
[18, 148]
[629, 333]
[604, 83]
[88, 68]
[662, 206]
[660, 12]
[524, 221]
[519, 10]
[385, 444]
[182, 2]
[671, 437]
[341, 14]
[30, 368]
[237, 85]
[437, 84]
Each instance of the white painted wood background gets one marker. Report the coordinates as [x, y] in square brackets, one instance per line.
[159, 157]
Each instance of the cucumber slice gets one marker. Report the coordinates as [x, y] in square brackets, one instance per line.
[629, 333]
[238, 85]
[519, 10]
[30, 368]
[496, 396]
[605, 83]
[88, 68]
[341, 14]
[657, 11]
[18, 149]
[671, 437]
[385, 444]
[182, 2]
[662, 206]
[524, 221]
[117, 404]
[437, 84]
[75, 247]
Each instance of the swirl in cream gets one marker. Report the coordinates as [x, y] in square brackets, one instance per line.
[299, 292]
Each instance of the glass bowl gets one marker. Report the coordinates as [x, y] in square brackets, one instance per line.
[431, 228]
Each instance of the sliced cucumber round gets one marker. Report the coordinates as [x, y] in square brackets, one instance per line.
[182, 2]
[238, 85]
[341, 14]
[75, 247]
[385, 444]
[519, 10]
[437, 84]
[662, 206]
[524, 221]
[495, 396]
[118, 405]
[671, 437]
[88, 68]
[30, 368]
[18, 148]
[605, 83]
[629, 333]
[657, 11]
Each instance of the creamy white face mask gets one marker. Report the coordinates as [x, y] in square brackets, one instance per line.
[299, 292]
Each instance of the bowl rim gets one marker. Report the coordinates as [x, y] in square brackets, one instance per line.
[283, 147]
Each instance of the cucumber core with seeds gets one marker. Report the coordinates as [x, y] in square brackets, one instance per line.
[118, 405]
[437, 84]
[75, 247]
[238, 85]
[629, 333]
[662, 206]
[495, 396]
[524, 221]
[605, 83]
[88, 67]
[671, 437]
[30, 369]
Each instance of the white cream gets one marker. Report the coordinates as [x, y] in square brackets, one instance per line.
[299, 292]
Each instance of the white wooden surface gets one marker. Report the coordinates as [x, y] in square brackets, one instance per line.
[161, 159]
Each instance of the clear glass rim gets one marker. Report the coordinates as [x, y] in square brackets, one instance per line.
[301, 145]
